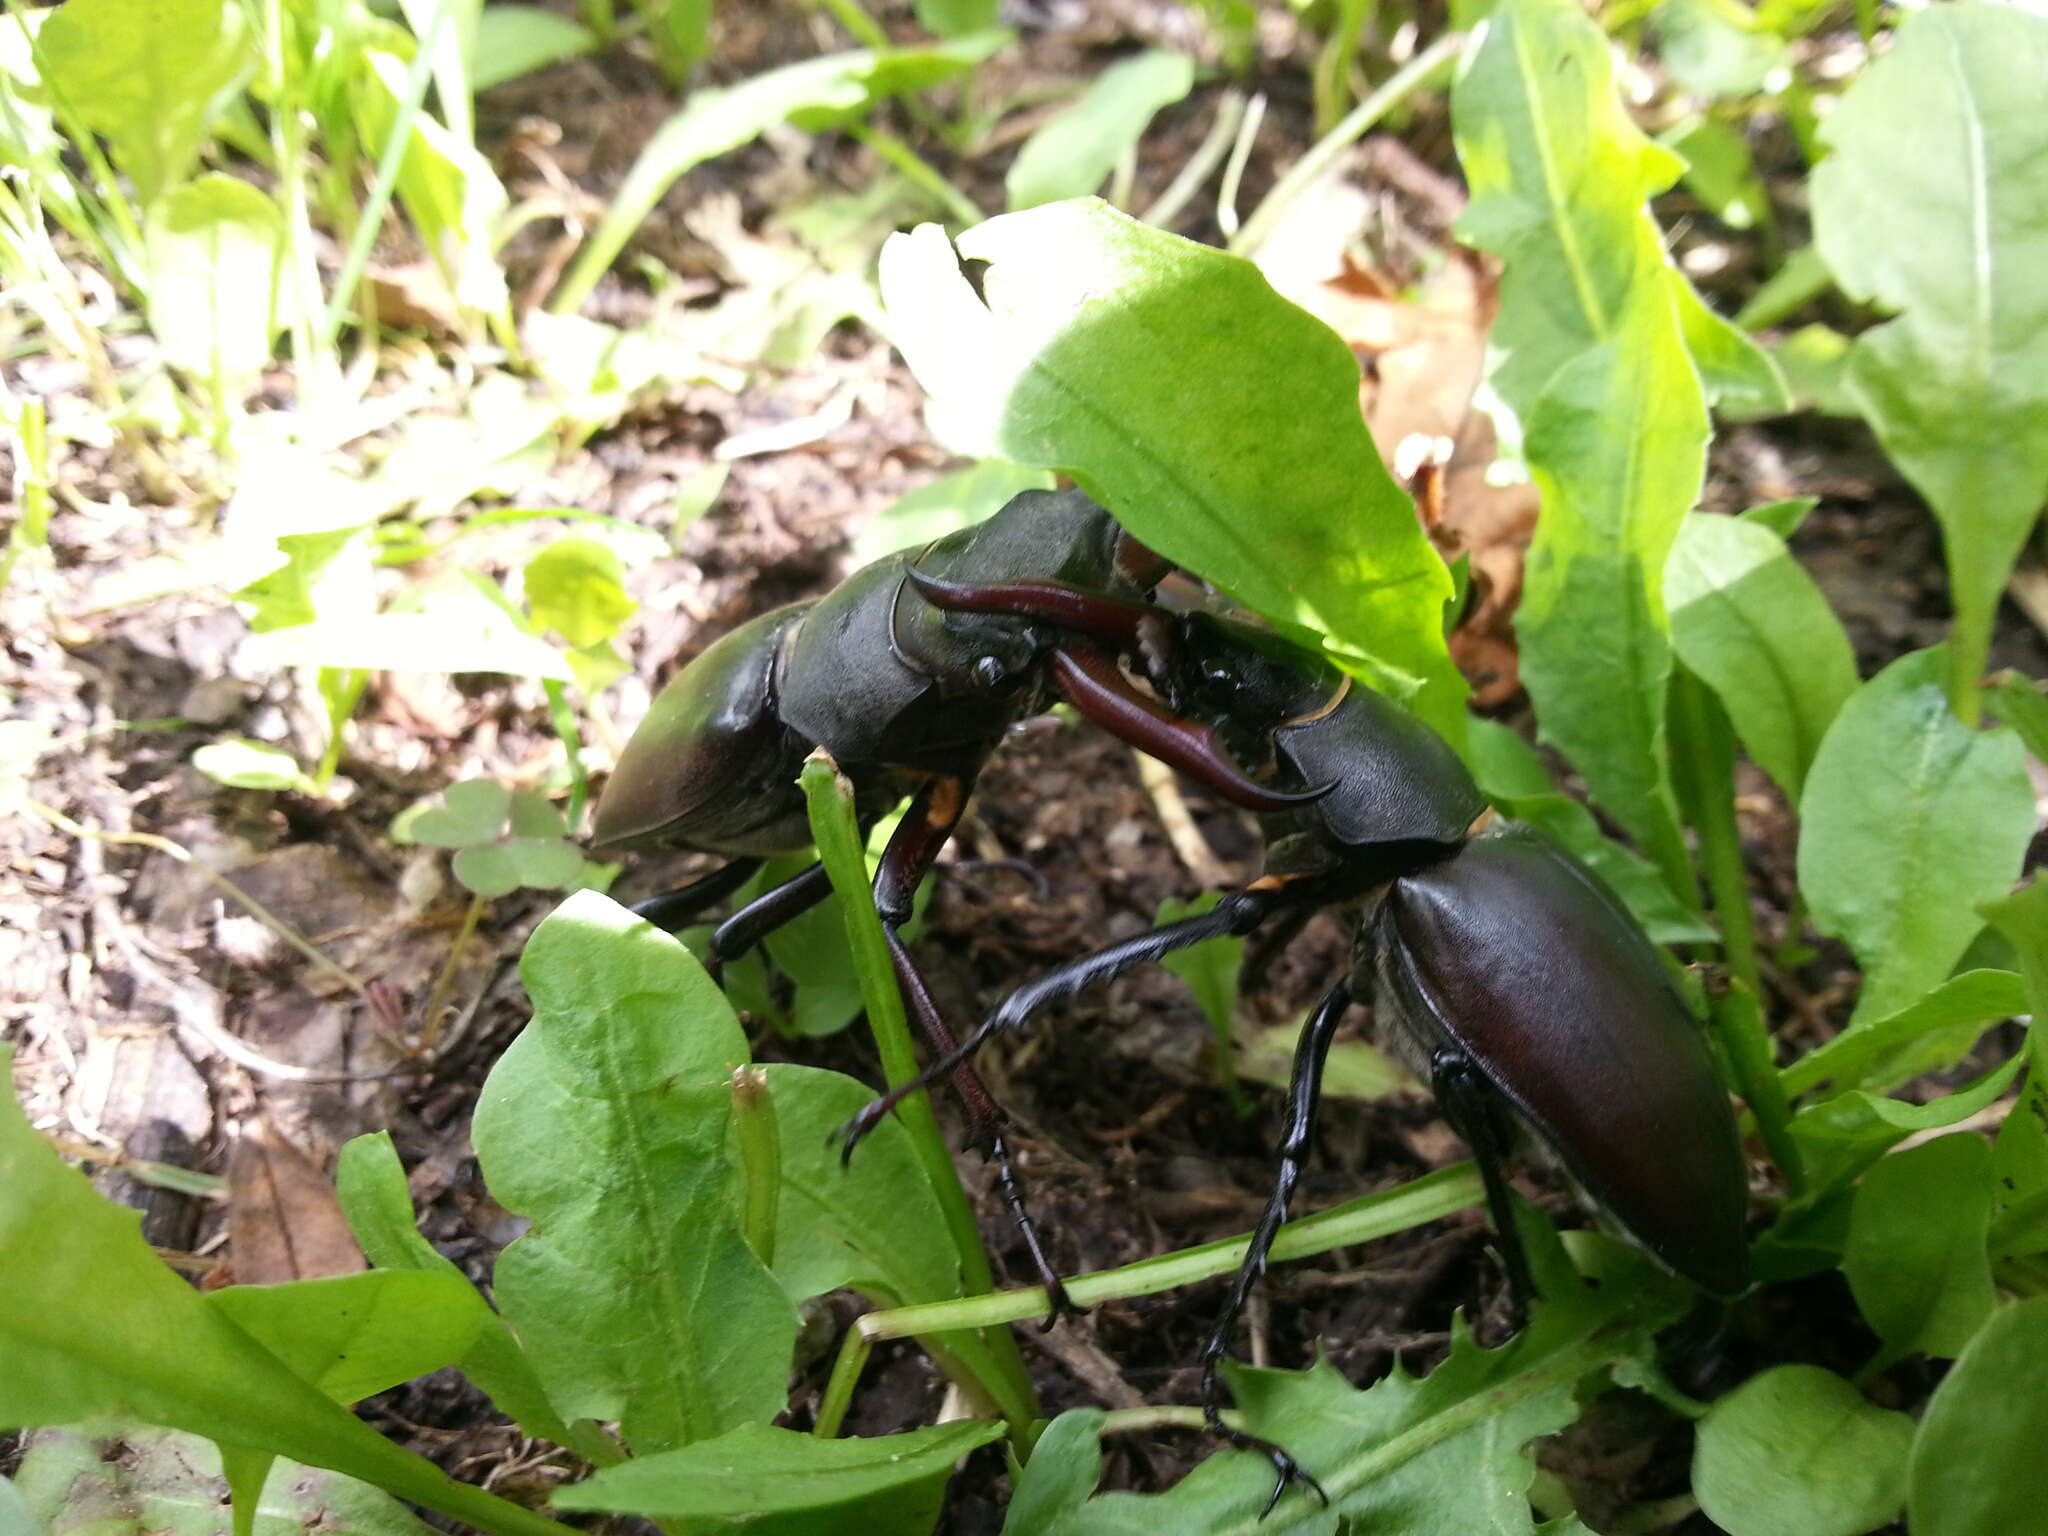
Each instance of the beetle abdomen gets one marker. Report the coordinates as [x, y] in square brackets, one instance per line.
[1513, 952]
[712, 764]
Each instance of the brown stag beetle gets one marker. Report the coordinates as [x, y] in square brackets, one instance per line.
[1512, 977]
[910, 698]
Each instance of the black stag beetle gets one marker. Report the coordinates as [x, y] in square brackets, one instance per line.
[910, 698]
[1514, 979]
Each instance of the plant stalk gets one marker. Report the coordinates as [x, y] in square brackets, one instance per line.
[836, 830]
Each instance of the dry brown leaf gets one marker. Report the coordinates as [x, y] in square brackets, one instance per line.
[284, 1220]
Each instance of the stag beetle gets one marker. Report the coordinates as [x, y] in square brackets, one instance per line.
[1513, 978]
[909, 697]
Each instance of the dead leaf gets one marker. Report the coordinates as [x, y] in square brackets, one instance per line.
[284, 1220]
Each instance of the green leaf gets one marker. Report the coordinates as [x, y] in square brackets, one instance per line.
[1591, 340]
[450, 627]
[605, 1125]
[212, 248]
[1074, 152]
[110, 1477]
[352, 1336]
[956, 18]
[1846, 1134]
[2019, 1158]
[1916, 1251]
[1934, 1031]
[817, 93]
[371, 1183]
[1719, 171]
[496, 869]
[291, 594]
[515, 40]
[1948, 124]
[1253, 471]
[1441, 1455]
[1909, 820]
[577, 587]
[873, 1225]
[758, 1470]
[1062, 1472]
[1715, 48]
[1749, 621]
[448, 188]
[2023, 918]
[1797, 1451]
[143, 74]
[1352, 1070]
[243, 764]
[2013, 697]
[1515, 780]
[471, 812]
[1815, 362]
[1976, 1465]
[1782, 517]
[150, 1346]
[948, 504]
[1210, 968]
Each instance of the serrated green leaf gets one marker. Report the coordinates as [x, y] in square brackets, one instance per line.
[1915, 1256]
[143, 74]
[577, 587]
[1085, 311]
[2015, 699]
[1797, 1451]
[759, 1471]
[290, 594]
[1976, 1465]
[1948, 124]
[213, 247]
[819, 92]
[1591, 342]
[1749, 621]
[1074, 152]
[605, 1125]
[1437, 1456]
[1909, 820]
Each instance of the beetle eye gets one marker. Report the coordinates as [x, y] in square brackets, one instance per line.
[990, 672]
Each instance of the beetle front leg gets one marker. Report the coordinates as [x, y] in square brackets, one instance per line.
[671, 910]
[1472, 1106]
[1304, 1093]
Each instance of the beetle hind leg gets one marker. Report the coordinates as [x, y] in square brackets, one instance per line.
[671, 910]
[1472, 1106]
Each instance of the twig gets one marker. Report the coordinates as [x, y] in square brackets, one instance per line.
[1181, 831]
[183, 855]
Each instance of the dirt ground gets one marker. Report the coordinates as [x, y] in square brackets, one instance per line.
[155, 1020]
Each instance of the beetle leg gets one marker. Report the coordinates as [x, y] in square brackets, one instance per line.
[1469, 1102]
[769, 911]
[1304, 1092]
[1238, 913]
[985, 1122]
[1090, 682]
[671, 910]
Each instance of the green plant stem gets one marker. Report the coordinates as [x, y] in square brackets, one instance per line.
[288, 146]
[1333, 59]
[1398, 86]
[562, 715]
[386, 185]
[1428, 1198]
[430, 1021]
[1738, 1023]
[753, 1119]
[836, 831]
[1202, 163]
[341, 688]
[1233, 168]
[919, 172]
[1703, 763]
